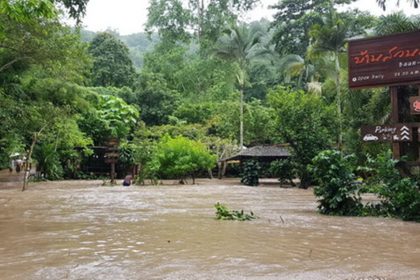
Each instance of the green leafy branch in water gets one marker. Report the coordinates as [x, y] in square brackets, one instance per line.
[223, 213]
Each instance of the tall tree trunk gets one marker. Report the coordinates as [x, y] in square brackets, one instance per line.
[29, 158]
[224, 166]
[200, 7]
[241, 120]
[339, 101]
[219, 169]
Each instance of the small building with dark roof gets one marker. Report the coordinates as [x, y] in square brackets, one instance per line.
[262, 153]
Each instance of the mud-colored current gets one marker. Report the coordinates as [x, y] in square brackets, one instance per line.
[81, 230]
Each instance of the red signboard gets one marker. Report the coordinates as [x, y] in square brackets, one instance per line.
[415, 105]
[385, 61]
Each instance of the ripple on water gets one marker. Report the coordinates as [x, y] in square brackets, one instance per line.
[79, 232]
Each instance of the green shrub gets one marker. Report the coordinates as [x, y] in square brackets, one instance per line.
[402, 199]
[48, 161]
[284, 170]
[337, 190]
[307, 123]
[400, 196]
[251, 171]
[151, 171]
[180, 157]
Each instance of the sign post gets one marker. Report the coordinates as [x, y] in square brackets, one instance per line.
[387, 133]
[392, 61]
[385, 61]
[111, 156]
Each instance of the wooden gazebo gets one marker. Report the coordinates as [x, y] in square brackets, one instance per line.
[265, 153]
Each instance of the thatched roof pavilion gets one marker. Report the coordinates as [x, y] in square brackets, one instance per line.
[262, 153]
[266, 153]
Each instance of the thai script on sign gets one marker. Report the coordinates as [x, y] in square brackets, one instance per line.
[393, 53]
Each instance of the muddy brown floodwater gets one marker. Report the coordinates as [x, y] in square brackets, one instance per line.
[81, 230]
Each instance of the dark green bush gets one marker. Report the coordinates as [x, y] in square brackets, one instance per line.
[400, 196]
[337, 191]
[402, 199]
[284, 170]
[180, 157]
[48, 161]
[251, 173]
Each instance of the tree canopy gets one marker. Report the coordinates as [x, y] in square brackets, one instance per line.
[112, 65]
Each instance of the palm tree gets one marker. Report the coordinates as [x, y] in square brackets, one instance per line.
[240, 45]
[294, 66]
[382, 3]
[330, 38]
[397, 23]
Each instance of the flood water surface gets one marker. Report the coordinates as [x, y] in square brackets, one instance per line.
[81, 230]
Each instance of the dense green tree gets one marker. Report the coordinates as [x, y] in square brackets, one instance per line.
[112, 65]
[170, 19]
[293, 21]
[156, 100]
[56, 154]
[41, 62]
[174, 19]
[194, 77]
[21, 10]
[211, 17]
[225, 123]
[138, 44]
[195, 112]
[109, 117]
[39, 42]
[306, 123]
[167, 61]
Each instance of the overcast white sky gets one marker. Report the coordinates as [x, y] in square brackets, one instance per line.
[129, 16]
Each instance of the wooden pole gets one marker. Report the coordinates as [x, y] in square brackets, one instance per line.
[113, 173]
[418, 132]
[396, 147]
[29, 158]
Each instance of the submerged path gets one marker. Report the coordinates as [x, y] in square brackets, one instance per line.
[81, 230]
[10, 179]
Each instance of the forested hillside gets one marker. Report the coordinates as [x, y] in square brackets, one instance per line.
[138, 44]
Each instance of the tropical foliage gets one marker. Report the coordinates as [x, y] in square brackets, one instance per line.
[180, 157]
[251, 173]
[306, 123]
[337, 189]
[224, 213]
[205, 86]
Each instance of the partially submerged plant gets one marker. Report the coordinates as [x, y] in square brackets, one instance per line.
[223, 213]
